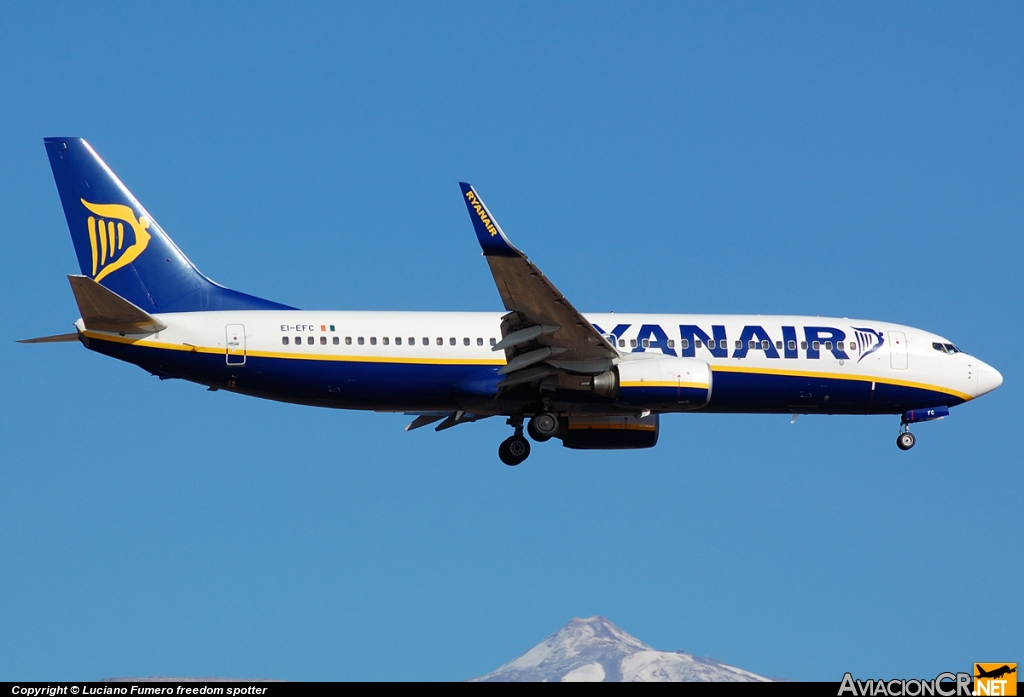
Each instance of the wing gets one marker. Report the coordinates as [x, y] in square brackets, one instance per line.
[542, 332]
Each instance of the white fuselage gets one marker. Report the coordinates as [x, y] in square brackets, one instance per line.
[775, 363]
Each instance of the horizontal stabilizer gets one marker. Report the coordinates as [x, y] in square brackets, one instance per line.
[56, 339]
[105, 311]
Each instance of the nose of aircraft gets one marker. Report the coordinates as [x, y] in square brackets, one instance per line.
[988, 378]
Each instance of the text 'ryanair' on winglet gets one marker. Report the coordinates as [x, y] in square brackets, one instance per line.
[488, 232]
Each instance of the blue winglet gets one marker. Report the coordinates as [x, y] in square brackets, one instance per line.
[488, 232]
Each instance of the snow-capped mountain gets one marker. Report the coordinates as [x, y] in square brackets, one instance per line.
[595, 650]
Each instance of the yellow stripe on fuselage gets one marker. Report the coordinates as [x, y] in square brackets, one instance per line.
[666, 383]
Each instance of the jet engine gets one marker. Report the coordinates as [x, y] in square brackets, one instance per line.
[668, 382]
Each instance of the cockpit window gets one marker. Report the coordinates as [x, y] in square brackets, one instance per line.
[945, 348]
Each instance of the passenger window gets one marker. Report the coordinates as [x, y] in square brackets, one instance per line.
[696, 343]
[684, 344]
[751, 344]
[791, 345]
[840, 346]
[298, 340]
[373, 341]
[622, 343]
[440, 341]
[398, 341]
[465, 341]
[803, 345]
[479, 341]
[426, 341]
[323, 341]
[646, 343]
[739, 344]
[632, 343]
[828, 345]
[671, 343]
[412, 341]
[493, 341]
[385, 340]
[451, 341]
[348, 341]
[284, 340]
[778, 345]
[336, 341]
[361, 341]
[712, 344]
[309, 340]
[815, 345]
[765, 344]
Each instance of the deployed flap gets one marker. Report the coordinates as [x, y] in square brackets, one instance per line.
[533, 301]
[105, 311]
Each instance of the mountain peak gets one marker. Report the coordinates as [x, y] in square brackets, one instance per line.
[595, 650]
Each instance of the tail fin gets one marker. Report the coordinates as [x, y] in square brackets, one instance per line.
[122, 248]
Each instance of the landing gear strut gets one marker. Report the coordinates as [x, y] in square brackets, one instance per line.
[905, 440]
[515, 449]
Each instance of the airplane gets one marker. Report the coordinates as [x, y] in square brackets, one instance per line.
[995, 673]
[593, 381]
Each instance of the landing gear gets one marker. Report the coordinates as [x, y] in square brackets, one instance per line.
[542, 427]
[905, 440]
[514, 450]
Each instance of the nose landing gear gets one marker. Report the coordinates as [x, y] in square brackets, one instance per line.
[905, 440]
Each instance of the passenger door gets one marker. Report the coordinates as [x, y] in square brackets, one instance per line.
[898, 350]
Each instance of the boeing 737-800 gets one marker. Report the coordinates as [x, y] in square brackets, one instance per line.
[592, 381]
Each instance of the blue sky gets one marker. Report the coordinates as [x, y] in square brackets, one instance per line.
[851, 160]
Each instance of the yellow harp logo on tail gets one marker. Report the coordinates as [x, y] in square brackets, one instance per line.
[107, 237]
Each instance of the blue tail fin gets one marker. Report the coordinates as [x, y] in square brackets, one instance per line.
[122, 248]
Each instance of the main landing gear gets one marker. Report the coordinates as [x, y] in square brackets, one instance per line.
[905, 440]
[542, 427]
[515, 449]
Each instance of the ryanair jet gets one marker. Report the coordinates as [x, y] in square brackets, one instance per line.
[591, 381]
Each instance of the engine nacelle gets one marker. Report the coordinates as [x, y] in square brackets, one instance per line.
[678, 383]
[609, 432]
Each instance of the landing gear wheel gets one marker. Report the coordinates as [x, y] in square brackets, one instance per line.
[542, 427]
[905, 441]
[514, 450]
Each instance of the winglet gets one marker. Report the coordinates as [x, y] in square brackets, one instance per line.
[488, 232]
